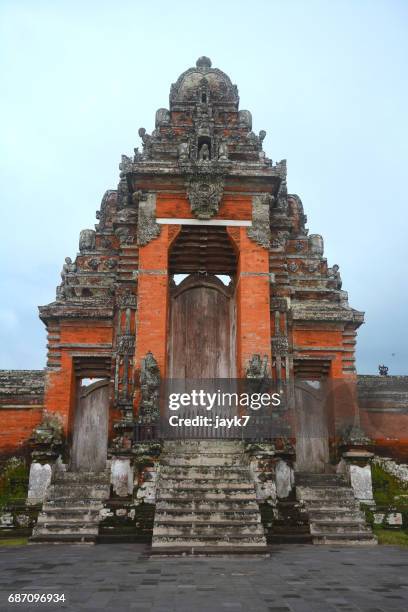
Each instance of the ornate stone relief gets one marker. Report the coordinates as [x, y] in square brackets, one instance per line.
[260, 230]
[280, 304]
[149, 387]
[205, 190]
[147, 228]
[280, 345]
[87, 240]
[126, 344]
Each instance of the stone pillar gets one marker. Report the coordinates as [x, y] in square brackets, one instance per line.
[356, 465]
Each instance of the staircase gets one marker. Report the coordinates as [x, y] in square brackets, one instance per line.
[71, 509]
[206, 499]
[334, 513]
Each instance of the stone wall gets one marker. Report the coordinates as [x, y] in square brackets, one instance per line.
[21, 406]
[383, 402]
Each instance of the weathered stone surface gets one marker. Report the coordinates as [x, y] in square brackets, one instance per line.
[121, 476]
[284, 479]
[361, 481]
[40, 478]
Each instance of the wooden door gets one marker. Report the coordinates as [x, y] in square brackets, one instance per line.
[312, 437]
[202, 330]
[90, 435]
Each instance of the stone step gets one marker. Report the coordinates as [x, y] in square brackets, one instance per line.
[203, 446]
[318, 527]
[69, 502]
[78, 492]
[199, 494]
[83, 528]
[193, 474]
[204, 505]
[335, 514]
[189, 484]
[208, 540]
[180, 514]
[209, 471]
[213, 459]
[81, 478]
[323, 493]
[345, 538]
[187, 530]
[333, 504]
[58, 515]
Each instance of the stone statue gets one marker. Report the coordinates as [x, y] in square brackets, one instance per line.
[68, 268]
[204, 153]
[149, 387]
[256, 373]
[383, 370]
[87, 240]
[182, 151]
[334, 277]
[223, 150]
[147, 142]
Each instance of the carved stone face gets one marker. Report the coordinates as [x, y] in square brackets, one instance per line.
[205, 195]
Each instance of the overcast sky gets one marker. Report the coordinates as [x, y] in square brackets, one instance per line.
[326, 80]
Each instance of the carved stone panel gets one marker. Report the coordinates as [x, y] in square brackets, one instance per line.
[205, 192]
[260, 230]
[147, 229]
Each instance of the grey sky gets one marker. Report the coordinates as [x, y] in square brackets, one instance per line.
[326, 80]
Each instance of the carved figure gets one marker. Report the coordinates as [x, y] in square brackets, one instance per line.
[257, 367]
[182, 151]
[383, 370]
[223, 150]
[205, 193]
[147, 142]
[67, 268]
[149, 387]
[87, 240]
[334, 277]
[204, 153]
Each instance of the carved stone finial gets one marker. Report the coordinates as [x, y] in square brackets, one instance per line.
[87, 240]
[257, 368]
[203, 62]
[334, 277]
[383, 370]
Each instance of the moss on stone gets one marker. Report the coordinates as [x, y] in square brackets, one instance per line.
[13, 482]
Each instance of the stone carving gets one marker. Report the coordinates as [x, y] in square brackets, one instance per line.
[123, 193]
[93, 263]
[260, 230]
[223, 151]
[280, 304]
[149, 388]
[162, 117]
[299, 245]
[334, 277]
[182, 151]
[47, 438]
[111, 263]
[316, 244]
[292, 266]
[125, 235]
[147, 143]
[125, 164]
[102, 213]
[383, 370]
[257, 368]
[126, 344]
[147, 228]
[280, 345]
[138, 196]
[204, 153]
[127, 299]
[256, 374]
[354, 436]
[279, 239]
[205, 192]
[87, 240]
[245, 118]
[126, 215]
[68, 268]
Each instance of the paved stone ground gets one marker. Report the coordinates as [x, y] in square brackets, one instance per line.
[294, 579]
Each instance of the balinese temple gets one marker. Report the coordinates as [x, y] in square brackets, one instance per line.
[200, 267]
